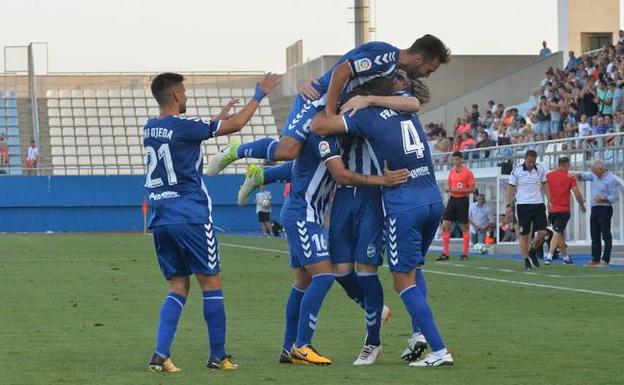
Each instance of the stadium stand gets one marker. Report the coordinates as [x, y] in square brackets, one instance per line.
[99, 131]
[9, 127]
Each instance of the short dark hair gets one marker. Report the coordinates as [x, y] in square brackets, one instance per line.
[380, 86]
[563, 160]
[430, 47]
[162, 85]
[531, 153]
[458, 154]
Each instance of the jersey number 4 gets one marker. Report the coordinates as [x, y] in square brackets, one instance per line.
[152, 161]
[411, 140]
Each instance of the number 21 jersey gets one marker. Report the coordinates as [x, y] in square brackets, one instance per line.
[175, 189]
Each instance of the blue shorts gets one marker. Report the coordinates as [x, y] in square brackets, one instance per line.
[307, 243]
[357, 222]
[187, 248]
[409, 235]
[300, 117]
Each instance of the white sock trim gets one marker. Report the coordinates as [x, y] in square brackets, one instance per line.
[176, 300]
[406, 289]
[366, 273]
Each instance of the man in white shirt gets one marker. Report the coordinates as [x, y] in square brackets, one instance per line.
[526, 183]
[263, 209]
[32, 159]
[481, 219]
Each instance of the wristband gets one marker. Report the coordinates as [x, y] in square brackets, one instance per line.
[259, 94]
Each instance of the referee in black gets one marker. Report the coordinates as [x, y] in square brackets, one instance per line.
[527, 182]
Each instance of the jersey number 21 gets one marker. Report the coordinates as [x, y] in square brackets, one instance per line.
[152, 161]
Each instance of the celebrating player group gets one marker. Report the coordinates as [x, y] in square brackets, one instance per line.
[360, 159]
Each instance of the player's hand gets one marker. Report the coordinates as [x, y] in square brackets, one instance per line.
[225, 110]
[394, 177]
[549, 206]
[269, 82]
[307, 90]
[355, 104]
[583, 208]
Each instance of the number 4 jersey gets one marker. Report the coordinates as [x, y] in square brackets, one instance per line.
[400, 140]
[174, 157]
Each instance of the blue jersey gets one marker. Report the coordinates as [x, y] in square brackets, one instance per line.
[399, 139]
[175, 189]
[312, 183]
[368, 61]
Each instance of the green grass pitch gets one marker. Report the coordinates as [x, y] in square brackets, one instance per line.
[82, 309]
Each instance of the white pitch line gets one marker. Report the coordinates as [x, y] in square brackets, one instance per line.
[520, 283]
[477, 277]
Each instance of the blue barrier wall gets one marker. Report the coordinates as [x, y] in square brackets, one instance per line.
[107, 203]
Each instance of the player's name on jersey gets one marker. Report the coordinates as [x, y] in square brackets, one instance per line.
[158, 133]
[420, 171]
[388, 113]
[163, 195]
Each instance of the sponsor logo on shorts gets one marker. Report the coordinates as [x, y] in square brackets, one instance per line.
[370, 251]
[362, 65]
[164, 195]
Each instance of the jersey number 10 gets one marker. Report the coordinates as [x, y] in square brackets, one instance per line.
[411, 140]
[152, 162]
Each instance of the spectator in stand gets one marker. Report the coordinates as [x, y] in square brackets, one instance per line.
[605, 98]
[554, 106]
[616, 105]
[487, 119]
[584, 127]
[485, 141]
[604, 193]
[464, 127]
[620, 37]
[474, 117]
[466, 142]
[588, 102]
[32, 159]
[443, 144]
[4, 154]
[543, 118]
[601, 127]
[618, 121]
[573, 61]
[545, 51]
[481, 219]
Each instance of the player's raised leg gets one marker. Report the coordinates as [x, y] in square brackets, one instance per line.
[256, 176]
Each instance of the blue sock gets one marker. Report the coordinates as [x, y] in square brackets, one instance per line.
[421, 283]
[169, 316]
[374, 301]
[258, 149]
[310, 306]
[292, 317]
[214, 314]
[281, 173]
[351, 286]
[419, 309]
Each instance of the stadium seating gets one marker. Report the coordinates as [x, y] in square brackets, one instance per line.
[99, 131]
[9, 126]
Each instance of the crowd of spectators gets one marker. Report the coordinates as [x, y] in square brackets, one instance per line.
[584, 98]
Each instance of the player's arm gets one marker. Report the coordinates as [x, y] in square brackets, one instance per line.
[612, 192]
[579, 198]
[395, 102]
[510, 193]
[328, 124]
[344, 176]
[340, 76]
[240, 119]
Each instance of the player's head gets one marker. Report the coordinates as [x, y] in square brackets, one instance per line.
[458, 158]
[530, 158]
[380, 86]
[481, 198]
[564, 162]
[424, 56]
[169, 91]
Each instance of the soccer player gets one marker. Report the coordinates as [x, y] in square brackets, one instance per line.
[461, 184]
[527, 182]
[181, 212]
[313, 176]
[561, 182]
[412, 210]
[361, 64]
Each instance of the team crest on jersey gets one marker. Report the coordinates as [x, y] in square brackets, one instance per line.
[370, 250]
[324, 148]
[362, 65]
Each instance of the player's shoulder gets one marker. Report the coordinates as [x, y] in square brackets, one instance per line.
[377, 46]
